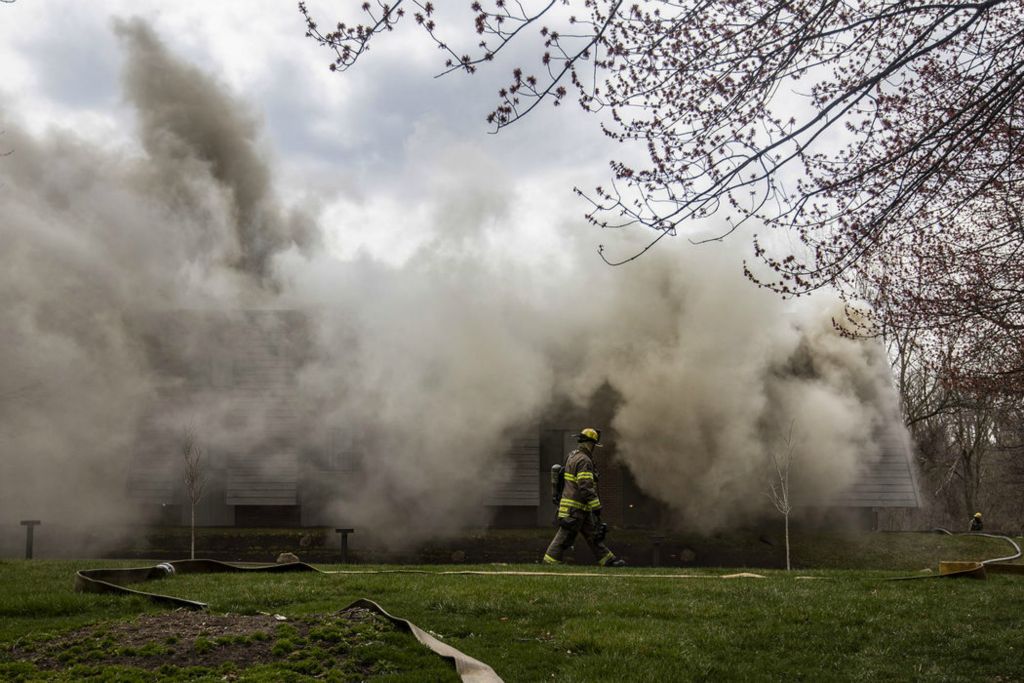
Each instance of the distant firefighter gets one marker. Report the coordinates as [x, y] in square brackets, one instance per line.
[579, 508]
[976, 524]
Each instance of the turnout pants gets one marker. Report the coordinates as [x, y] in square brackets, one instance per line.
[579, 523]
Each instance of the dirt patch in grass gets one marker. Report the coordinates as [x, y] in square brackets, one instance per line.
[349, 642]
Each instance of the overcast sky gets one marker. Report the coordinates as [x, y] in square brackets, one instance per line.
[371, 148]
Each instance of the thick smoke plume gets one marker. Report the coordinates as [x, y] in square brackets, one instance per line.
[422, 369]
[92, 238]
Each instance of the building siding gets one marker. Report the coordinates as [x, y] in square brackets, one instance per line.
[516, 483]
[888, 481]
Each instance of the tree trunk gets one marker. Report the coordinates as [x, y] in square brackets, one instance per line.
[970, 499]
[193, 548]
[787, 542]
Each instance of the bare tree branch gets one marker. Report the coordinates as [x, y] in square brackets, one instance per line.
[778, 486]
[192, 456]
[886, 136]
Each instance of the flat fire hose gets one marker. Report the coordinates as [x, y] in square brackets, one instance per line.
[975, 569]
[468, 668]
[115, 580]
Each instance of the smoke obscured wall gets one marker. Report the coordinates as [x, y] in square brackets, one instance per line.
[425, 366]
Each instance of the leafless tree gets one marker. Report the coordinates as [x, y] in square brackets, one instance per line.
[778, 486]
[966, 437]
[970, 442]
[885, 135]
[192, 457]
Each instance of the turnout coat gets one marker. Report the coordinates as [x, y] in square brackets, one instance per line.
[579, 496]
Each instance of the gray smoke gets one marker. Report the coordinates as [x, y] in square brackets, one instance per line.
[91, 240]
[194, 133]
[448, 353]
[421, 369]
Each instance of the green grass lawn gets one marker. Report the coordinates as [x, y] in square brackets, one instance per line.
[841, 625]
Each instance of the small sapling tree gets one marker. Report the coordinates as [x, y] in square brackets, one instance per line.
[192, 455]
[778, 486]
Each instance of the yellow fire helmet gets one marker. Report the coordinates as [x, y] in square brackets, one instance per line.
[977, 514]
[590, 434]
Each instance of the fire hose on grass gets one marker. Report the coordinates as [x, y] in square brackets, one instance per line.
[978, 569]
[974, 569]
[469, 669]
[116, 581]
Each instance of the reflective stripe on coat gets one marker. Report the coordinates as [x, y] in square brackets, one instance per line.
[580, 492]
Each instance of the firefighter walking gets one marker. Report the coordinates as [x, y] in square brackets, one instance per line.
[579, 508]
